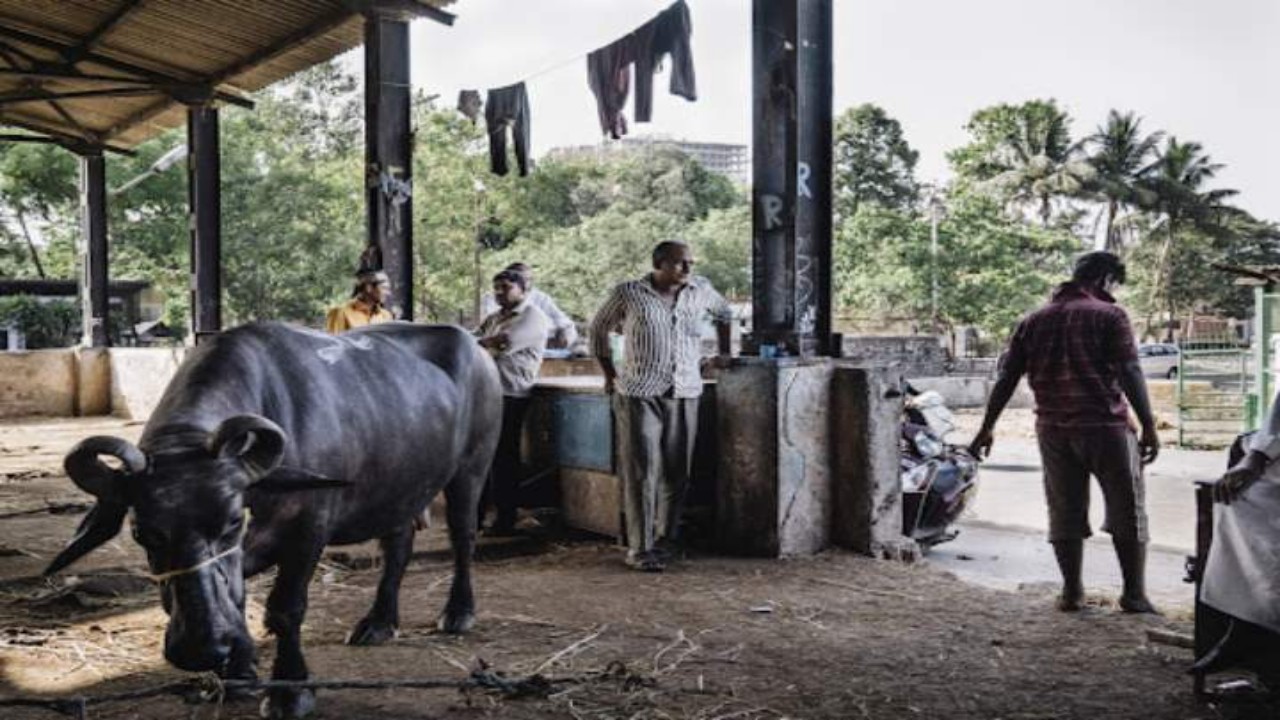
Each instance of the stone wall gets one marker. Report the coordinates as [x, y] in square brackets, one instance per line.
[139, 377]
[774, 491]
[38, 382]
[911, 355]
[866, 409]
[126, 382]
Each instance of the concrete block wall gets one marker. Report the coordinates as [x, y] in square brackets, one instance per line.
[38, 382]
[911, 355]
[139, 377]
[71, 382]
[866, 412]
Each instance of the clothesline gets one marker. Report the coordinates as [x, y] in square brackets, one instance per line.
[609, 69]
[580, 57]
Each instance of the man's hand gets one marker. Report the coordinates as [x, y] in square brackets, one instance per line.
[559, 340]
[494, 342]
[1148, 445]
[717, 362]
[980, 448]
[1239, 477]
[610, 384]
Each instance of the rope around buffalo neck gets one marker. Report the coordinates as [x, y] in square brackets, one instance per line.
[237, 547]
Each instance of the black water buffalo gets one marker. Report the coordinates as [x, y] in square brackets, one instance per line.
[272, 442]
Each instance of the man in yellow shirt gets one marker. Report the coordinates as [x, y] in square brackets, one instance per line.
[367, 305]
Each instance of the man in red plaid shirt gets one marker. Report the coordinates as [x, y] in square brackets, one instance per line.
[1081, 362]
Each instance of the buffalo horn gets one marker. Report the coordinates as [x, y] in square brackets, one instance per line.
[101, 524]
[92, 475]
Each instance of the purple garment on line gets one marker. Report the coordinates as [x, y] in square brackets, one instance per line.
[609, 76]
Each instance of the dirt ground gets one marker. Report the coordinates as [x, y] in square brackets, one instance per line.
[831, 636]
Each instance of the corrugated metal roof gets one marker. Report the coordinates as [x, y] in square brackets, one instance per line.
[133, 58]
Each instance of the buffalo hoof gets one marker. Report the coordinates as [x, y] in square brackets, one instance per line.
[370, 631]
[288, 704]
[456, 623]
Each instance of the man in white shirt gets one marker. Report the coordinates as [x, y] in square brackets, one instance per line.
[561, 330]
[1242, 575]
[655, 393]
[514, 335]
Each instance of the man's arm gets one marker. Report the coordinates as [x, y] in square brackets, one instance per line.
[1123, 350]
[722, 317]
[335, 321]
[1006, 384]
[607, 319]
[1262, 449]
[1134, 386]
[558, 318]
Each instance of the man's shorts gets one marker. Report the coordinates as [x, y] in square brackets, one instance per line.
[1069, 457]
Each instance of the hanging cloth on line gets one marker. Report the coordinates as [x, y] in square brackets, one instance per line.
[667, 34]
[508, 106]
[609, 76]
[609, 68]
[469, 104]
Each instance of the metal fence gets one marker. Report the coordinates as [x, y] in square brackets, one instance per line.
[1213, 392]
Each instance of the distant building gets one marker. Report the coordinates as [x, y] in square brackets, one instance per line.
[726, 159]
[129, 301]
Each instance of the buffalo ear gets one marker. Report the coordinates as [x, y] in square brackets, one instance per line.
[101, 524]
[254, 440]
[290, 479]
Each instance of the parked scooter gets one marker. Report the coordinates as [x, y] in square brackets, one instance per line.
[939, 479]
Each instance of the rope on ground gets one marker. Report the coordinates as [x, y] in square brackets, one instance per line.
[208, 688]
[67, 508]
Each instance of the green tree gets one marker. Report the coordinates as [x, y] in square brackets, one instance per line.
[872, 162]
[722, 245]
[1023, 155]
[37, 184]
[1122, 158]
[45, 324]
[990, 269]
[1181, 200]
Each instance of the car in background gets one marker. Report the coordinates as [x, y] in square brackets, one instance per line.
[1159, 360]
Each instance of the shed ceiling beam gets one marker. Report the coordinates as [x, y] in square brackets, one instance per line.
[49, 75]
[62, 137]
[41, 94]
[75, 54]
[43, 139]
[10, 54]
[119, 65]
[265, 55]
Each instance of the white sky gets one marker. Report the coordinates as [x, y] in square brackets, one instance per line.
[1200, 69]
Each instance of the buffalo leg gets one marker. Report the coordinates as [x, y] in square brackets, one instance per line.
[286, 608]
[462, 496]
[383, 619]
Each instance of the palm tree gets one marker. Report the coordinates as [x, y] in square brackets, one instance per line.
[1176, 189]
[1036, 161]
[1122, 159]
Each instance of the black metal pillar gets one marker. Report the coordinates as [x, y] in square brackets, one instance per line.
[791, 194]
[389, 152]
[94, 297]
[204, 198]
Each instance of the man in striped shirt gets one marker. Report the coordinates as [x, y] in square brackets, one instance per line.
[656, 392]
